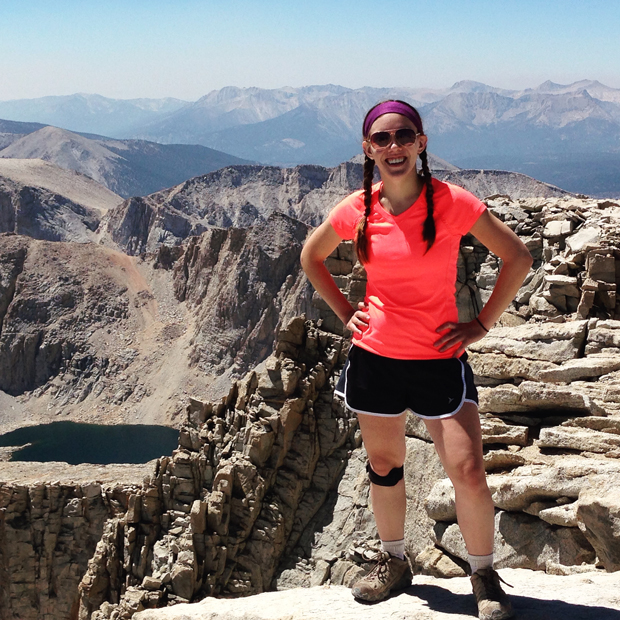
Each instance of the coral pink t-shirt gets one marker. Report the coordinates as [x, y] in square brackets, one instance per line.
[409, 293]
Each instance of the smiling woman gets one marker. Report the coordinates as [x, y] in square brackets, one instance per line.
[408, 351]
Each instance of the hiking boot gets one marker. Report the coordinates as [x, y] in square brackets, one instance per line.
[493, 603]
[390, 573]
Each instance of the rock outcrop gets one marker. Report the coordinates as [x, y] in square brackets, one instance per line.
[535, 597]
[548, 384]
[250, 473]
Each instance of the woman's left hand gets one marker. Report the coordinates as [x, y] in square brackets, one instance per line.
[462, 334]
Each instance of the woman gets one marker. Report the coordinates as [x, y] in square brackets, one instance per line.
[408, 348]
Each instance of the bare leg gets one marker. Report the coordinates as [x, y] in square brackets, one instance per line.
[458, 441]
[384, 440]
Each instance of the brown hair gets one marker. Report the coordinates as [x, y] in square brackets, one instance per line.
[428, 231]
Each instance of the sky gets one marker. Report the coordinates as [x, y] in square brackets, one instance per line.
[186, 48]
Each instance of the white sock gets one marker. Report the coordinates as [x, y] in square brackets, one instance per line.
[394, 547]
[480, 561]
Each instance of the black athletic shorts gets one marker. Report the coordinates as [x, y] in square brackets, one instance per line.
[383, 386]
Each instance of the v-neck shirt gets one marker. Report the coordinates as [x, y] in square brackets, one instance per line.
[410, 292]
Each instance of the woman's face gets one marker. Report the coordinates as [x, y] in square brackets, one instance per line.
[395, 160]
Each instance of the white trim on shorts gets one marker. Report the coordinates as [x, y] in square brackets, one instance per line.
[419, 415]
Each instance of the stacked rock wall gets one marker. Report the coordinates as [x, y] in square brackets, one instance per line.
[549, 381]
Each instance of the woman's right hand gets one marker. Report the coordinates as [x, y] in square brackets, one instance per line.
[358, 321]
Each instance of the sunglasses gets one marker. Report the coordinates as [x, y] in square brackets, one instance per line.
[402, 137]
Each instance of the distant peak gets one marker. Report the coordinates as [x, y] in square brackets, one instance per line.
[51, 130]
[470, 86]
[467, 84]
[549, 85]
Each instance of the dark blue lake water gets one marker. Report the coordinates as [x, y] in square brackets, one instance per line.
[77, 443]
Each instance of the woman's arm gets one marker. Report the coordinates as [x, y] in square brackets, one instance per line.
[505, 244]
[321, 243]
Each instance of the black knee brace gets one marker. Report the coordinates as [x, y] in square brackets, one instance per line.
[392, 479]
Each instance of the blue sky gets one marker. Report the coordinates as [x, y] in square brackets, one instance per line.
[185, 48]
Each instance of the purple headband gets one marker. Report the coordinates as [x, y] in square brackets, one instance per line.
[388, 107]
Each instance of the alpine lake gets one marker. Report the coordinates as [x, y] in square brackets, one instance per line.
[75, 443]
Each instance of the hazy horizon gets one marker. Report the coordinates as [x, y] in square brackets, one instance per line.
[287, 86]
[185, 50]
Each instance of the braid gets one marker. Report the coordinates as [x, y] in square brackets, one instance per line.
[428, 232]
[361, 241]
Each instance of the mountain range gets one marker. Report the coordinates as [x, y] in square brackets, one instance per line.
[567, 135]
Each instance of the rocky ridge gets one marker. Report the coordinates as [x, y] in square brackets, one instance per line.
[217, 485]
[236, 497]
[126, 167]
[239, 196]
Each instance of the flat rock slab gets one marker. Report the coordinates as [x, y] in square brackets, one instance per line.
[536, 596]
[56, 472]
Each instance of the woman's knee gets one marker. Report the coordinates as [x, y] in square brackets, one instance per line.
[383, 464]
[468, 472]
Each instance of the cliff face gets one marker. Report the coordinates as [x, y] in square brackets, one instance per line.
[86, 331]
[242, 283]
[51, 519]
[53, 297]
[42, 214]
